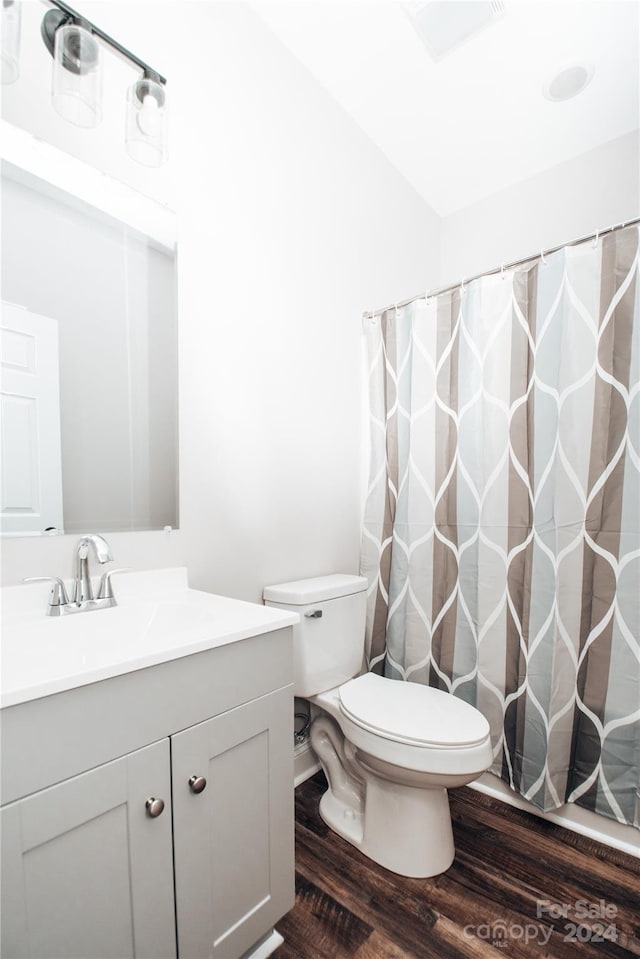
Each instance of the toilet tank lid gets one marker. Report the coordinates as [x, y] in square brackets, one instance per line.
[304, 591]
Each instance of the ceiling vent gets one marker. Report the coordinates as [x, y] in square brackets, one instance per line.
[442, 25]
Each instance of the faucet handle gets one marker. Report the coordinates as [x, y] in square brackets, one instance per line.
[58, 595]
[105, 590]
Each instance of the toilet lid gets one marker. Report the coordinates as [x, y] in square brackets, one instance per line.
[411, 713]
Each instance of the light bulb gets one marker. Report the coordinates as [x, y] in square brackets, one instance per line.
[146, 140]
[148, 116]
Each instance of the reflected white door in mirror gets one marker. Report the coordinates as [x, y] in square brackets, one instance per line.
[30, 405]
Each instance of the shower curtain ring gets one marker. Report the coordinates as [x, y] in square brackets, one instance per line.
[542, 259]
[595, 240]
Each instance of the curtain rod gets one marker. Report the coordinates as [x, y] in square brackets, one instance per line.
[369, 315]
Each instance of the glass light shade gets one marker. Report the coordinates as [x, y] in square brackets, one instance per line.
[11, 13]
[146, 136]
[77, 81]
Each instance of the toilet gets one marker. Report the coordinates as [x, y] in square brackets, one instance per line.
[389, 749]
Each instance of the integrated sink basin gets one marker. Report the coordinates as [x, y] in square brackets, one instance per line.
[158, 618]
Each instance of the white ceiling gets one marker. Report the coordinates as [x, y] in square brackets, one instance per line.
[476, 121]
[459, 130]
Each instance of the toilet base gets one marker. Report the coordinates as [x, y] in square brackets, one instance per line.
[403, 828]
[342, 818]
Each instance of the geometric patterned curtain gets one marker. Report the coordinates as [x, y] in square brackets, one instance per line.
[501, 533]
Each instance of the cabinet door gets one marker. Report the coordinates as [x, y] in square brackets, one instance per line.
[86, 873]
[233, 841]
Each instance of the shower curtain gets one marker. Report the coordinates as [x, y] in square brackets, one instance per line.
[501, 534]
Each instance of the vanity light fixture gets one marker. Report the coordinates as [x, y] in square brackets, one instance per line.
[10, 41]
[72, 40]
[76, 84]
[146, 137]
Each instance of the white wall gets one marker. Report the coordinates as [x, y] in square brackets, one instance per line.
[290, 225]
[591, 192]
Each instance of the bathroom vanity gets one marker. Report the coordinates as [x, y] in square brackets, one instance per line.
[147, 781]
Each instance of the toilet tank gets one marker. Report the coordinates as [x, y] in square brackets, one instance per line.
[328, 643]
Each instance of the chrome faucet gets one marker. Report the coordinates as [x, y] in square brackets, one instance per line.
[82, 589]
[82, 597]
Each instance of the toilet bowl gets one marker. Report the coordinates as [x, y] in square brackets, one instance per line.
[389, 749]
[407, 744]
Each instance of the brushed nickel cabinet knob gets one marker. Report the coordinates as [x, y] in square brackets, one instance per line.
[197, 784]
[154, 807]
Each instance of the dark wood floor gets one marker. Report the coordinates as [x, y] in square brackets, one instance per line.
[487, 904]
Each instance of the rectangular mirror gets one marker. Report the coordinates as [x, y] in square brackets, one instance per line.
[89, 370]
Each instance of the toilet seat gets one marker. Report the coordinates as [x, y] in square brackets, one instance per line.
[411, 713]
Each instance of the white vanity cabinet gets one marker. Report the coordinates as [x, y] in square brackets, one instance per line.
[87, 872]
[232, 880]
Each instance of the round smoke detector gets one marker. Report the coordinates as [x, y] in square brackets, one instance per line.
[568, 82]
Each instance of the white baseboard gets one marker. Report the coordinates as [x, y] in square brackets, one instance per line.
[305, 763]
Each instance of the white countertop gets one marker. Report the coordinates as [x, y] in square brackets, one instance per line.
[157, 619]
